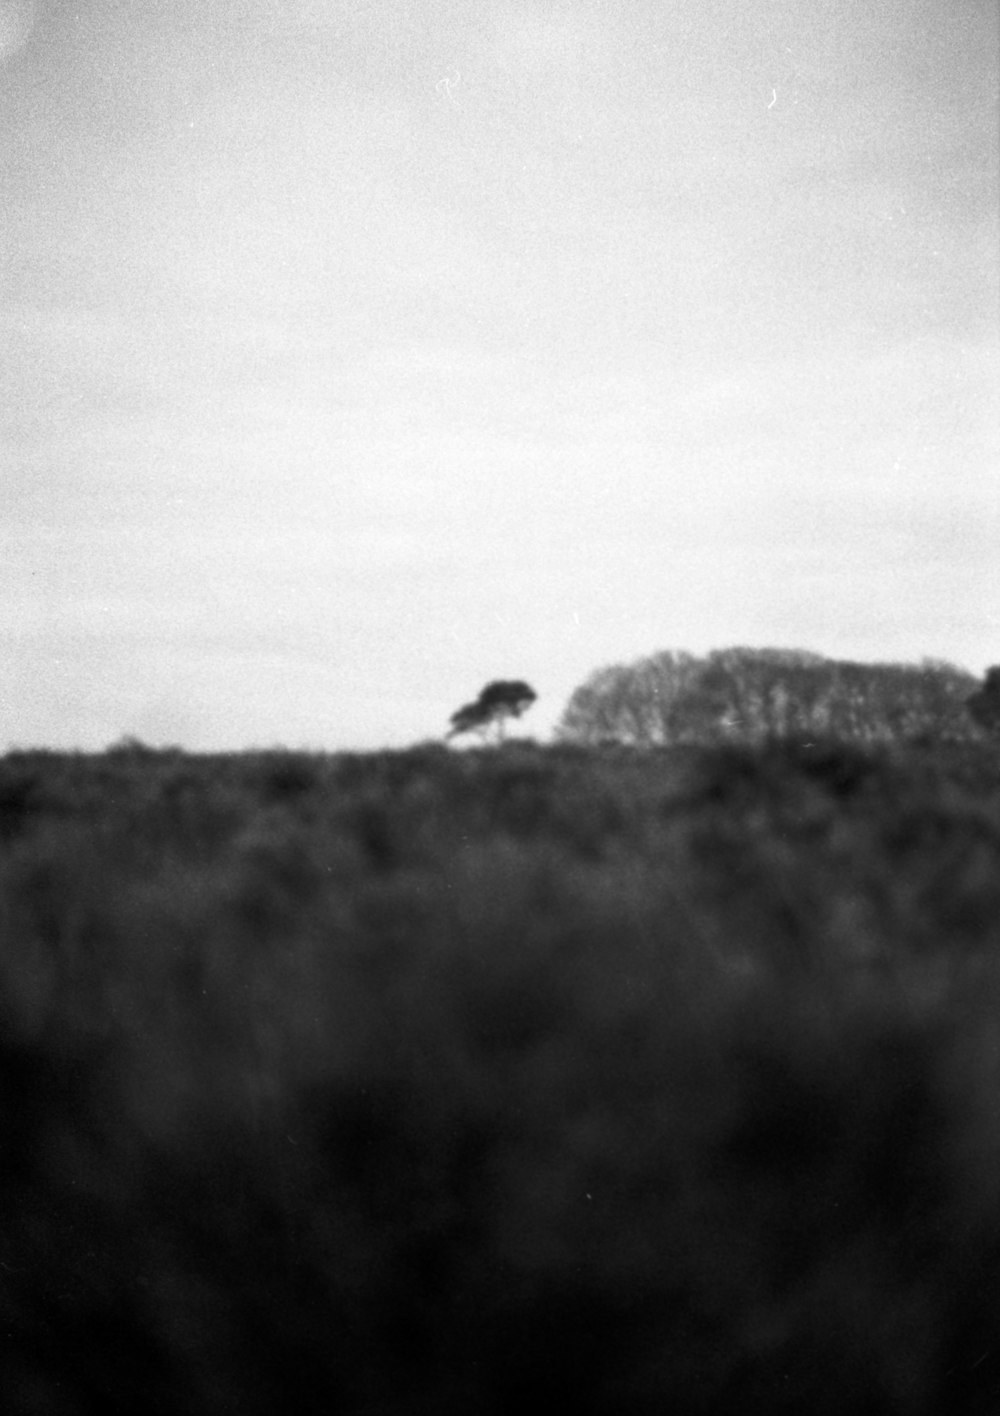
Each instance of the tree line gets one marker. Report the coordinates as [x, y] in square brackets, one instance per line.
[751, 695]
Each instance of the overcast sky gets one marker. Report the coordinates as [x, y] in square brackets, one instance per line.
[356, 352]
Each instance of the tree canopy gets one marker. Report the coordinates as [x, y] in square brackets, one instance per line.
[499, 700]
[750, 695]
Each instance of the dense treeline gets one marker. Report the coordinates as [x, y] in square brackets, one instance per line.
[749, 695]
[616, 1081]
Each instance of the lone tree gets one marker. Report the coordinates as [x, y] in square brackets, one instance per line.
[984, 705]
[499, 700]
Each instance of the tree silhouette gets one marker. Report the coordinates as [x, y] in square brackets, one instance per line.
[499, 700]
[984, 705]
[753, 695]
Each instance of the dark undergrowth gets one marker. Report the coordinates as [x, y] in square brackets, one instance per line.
[431, 1082]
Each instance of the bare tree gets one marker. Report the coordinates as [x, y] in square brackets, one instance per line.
[752, 695]
[645, 703]
[501, 699]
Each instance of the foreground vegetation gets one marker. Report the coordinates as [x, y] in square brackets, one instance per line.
[417, 1082]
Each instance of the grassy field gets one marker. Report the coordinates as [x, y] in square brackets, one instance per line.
[430, 1082]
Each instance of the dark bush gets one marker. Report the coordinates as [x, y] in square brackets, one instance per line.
[624, 1081]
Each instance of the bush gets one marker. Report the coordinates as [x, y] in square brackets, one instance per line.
[450, 1082]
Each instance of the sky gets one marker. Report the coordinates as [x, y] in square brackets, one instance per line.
[358, 352]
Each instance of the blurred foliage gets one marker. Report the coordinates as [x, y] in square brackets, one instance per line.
[636, 1081]
[984, 705]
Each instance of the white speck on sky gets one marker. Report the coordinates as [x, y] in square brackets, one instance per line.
[355, 355]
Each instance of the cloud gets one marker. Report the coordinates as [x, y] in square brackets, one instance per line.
[542, 41]
[17, 20]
